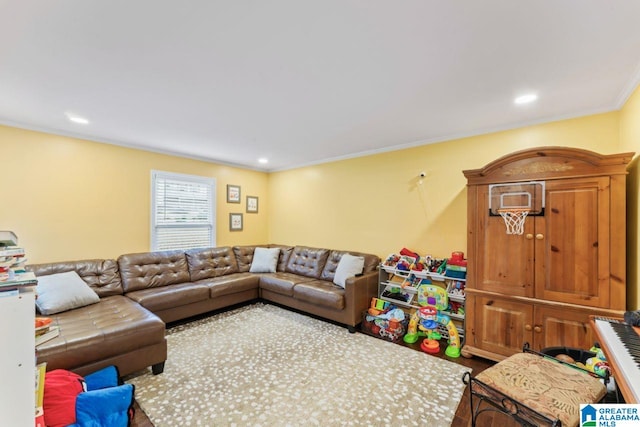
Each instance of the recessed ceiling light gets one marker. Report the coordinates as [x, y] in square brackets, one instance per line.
[525, 99]
[77, 119]
[263, 161]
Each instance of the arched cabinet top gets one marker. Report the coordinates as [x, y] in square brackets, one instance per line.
[544, 163]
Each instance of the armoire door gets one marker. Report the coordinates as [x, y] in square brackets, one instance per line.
[503, 262]
[502, 326]
[562, 327]
[572, 243]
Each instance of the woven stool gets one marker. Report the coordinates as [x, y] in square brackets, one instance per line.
[534, 390]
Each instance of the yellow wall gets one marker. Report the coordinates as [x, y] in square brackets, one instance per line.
[378, 204]
[630, 141]
[69, 199]
[73, 199]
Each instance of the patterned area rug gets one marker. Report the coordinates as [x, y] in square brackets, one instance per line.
[262, 365]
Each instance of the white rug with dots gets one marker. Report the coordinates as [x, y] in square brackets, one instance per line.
[261, 365]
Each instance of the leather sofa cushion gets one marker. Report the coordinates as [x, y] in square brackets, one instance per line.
[231, 284]
[319, 292]
[100, 274]
[306, 261]
[211, 262]
[153, 269]
[114, 326]
[281, 283]
[285, 254]
[244, 256]
[166, 297]
[371, 262]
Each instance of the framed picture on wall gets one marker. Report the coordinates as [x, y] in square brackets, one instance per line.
[233, 193]
[252, 204]
[235, 222]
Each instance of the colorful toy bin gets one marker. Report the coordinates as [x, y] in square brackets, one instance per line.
[388, 329]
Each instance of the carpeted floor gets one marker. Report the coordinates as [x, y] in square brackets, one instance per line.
[257, 366]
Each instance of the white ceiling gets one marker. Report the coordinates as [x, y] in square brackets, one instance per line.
[302, 82]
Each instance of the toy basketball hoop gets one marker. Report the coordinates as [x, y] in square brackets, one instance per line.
[514, 219]
[514, 201]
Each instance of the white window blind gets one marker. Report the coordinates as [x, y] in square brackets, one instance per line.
[183, 211]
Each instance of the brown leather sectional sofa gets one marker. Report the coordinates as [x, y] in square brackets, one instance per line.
[141, 292]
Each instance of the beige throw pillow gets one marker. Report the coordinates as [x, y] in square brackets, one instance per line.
[63, 291]
[265, 260]
[348, 266]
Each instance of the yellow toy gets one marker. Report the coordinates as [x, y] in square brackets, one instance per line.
[425, 320]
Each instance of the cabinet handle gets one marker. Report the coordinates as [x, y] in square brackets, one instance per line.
[529, 236]
[539, 236]
[537, 329]
[527, 327]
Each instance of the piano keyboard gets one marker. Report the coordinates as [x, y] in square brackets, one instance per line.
[624, 347]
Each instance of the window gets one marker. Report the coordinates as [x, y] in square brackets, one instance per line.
[182, 211]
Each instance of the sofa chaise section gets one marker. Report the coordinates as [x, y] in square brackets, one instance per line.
[114, 331]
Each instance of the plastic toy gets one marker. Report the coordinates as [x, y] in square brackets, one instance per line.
[597, 366]
[385, 319]
[387, 324]
[378, 306]
[457, 258]
[391, 260]
[432, 295]
[599, 353]
[407, 252]
[408, 260]
[425, 320]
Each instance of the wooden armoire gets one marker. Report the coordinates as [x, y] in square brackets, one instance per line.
[541, 286]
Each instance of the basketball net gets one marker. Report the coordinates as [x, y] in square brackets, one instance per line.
[514, 219]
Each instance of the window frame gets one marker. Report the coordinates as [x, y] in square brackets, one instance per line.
[200, 180]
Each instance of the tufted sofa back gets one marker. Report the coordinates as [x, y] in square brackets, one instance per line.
[328, 273]
[101, 274]
[244, 256]
[306, 261]
[211, 262]
[153, 269]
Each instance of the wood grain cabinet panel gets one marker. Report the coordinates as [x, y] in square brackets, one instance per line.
[540, 286]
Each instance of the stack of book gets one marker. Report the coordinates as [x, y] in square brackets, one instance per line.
[45, 331]
[12, 262]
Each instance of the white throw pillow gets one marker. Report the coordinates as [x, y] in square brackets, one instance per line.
[265, 260]
[348, 266]
[63, 291]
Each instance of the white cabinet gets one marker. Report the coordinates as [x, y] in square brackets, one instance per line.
[17, 358]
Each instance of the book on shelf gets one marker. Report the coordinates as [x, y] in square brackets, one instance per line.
[40, 374]
[15, 279]
[8, 238]
[51, 333]
[12, 272]
[12, 251]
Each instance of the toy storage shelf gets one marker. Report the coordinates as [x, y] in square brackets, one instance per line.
[396, 282]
